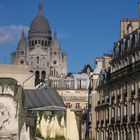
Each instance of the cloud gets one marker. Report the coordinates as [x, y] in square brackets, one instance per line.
[12, 33]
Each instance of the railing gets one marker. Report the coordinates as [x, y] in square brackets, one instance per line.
[125, 71]
[81, 98]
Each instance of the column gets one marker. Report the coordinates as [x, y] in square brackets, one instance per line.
[119, 134]
[112, 136]
[97, 137]
[132, 134]
[124, 135]
[136, 134]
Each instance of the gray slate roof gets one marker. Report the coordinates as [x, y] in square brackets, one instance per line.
[44, 99]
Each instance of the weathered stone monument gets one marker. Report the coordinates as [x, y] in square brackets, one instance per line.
[12, 111]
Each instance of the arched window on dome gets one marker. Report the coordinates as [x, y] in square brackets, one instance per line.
[35, 42]
[42, 42]
[38, 41]
[45, 43]
[32, 43]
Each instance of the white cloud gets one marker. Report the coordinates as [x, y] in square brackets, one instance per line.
[11, 33]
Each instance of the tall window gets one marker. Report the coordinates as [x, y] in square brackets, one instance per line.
[78, 105]
[133, 108]
[42, 42]
[37, 60]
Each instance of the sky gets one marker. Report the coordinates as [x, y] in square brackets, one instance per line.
[86, 28]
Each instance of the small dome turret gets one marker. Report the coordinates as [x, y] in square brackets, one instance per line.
[22, 44]
[55, 46]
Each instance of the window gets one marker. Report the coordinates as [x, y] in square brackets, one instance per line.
[22, 52]
[37, 60]
[68, 105]
[32, 62]
[81, 84]
[54, 62]
[42, 42]
[68, 84]
[55, 53]
[78, 105]
[32, 43]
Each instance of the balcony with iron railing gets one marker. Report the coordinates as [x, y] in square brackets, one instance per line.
[125, 71]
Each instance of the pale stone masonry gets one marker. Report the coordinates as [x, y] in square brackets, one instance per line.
[118, 106]
[100, 63]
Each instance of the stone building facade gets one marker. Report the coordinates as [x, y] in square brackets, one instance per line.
[118, 106]
[100, 63]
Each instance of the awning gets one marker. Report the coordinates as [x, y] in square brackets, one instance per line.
[44, 99]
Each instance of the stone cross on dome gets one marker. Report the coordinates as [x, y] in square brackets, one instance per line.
[40, 7]
[22, 34]
[139, 12]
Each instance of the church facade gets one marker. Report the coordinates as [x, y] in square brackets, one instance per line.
[41, 52]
